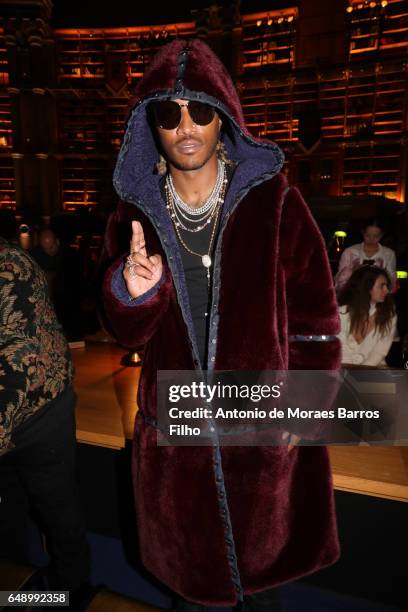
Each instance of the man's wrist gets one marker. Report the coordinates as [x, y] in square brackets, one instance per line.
[120, 290]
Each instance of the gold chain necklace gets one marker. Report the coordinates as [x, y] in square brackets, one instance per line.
[206, 257]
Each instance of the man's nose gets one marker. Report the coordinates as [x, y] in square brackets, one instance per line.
[186, 124]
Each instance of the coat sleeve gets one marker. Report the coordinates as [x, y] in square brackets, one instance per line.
[134, 321]
[381, 346]
[313, 320]
[16, 347]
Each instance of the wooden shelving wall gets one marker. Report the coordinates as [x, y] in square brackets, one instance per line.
[269, 39]
[362, 104]
[7, 180]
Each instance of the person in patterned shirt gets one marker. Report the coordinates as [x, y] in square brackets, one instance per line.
[37, 422]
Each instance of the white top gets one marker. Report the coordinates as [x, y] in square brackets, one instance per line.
[353, 257]
[372, 351]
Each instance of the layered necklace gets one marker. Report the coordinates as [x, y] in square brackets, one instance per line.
[197, 218]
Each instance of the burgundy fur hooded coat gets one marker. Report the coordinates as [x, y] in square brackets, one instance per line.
[218, 522]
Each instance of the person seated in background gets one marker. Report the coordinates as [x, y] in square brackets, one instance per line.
[63, 269]
[37, 423]
[367, 316]
[368, 252]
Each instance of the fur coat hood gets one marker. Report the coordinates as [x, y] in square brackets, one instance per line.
[177, 72]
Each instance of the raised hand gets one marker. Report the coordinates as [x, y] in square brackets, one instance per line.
[141, 273]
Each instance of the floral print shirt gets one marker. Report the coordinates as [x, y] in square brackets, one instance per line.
[35, 362]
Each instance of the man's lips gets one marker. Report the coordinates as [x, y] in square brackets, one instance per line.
[188, 146]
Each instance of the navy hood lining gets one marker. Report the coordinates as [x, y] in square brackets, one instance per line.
[139, 152]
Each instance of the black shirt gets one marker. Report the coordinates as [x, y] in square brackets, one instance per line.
[197, 281]
[196, 276]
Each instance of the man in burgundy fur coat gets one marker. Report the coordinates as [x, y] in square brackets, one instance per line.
[227, 271]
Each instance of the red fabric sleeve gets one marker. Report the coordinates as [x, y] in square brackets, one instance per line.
[134, 324]
[311, 299]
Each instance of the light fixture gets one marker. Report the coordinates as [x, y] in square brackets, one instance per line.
[270, 21]
[290, 18]
[373, 4]
[360, 6]
[259, 22]
[349, 9]
[401, 274]
[340, 234]
[384, 3]
[281, 20]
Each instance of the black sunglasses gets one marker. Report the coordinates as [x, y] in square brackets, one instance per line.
[167, 113]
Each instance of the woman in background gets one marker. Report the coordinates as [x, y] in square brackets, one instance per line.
[368, 252]
[367, 315]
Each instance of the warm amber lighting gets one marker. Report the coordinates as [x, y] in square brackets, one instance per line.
[3, 141]
[384, 3]
[281, 20]
[290, 18]
[349, 9]
[360, 6]
[270, 21]
[373, 4]
[259, 22]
